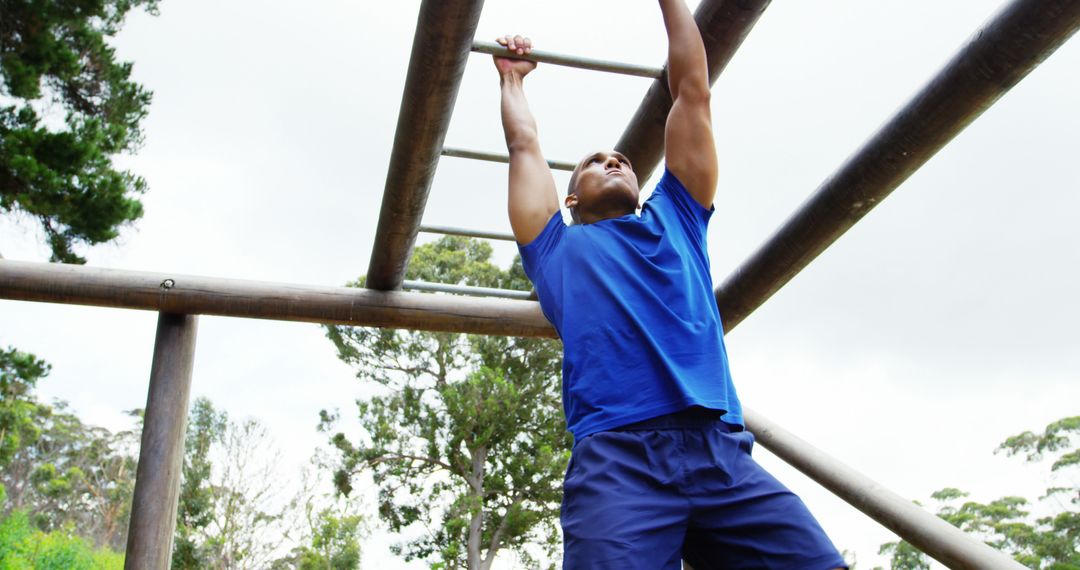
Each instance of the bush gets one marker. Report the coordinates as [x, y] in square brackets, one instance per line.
[22, 547]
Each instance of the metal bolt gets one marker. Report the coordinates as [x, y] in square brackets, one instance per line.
[168, 284]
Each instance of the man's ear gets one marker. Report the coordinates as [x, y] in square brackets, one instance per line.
[571, 200]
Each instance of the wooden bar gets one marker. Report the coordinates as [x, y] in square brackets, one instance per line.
[469, 290]
[453, 231]
[161, 456]
[502, 157]
[81, 285]
[724, 26]
[441, 44]
[997, 57]
[942, 541]
[541, 56]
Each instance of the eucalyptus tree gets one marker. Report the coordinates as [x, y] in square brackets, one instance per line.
[56, 469]
[1007, 524]
[463, 435]
[232, 513]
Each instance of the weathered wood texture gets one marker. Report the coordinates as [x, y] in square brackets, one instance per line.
[997, 57]
[80, 285]
[161, 457]
[441, 45]
[944, 542]
[724, 24]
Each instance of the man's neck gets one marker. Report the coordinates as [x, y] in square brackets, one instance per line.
[598, 216]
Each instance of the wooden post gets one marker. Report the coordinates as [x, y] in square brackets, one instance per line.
[161, 457]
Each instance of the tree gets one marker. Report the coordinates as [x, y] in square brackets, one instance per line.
[1047, 542]
[195, 509]
[23, 546]
[58, 470]
[55, 60]
[466, 437]
[76, 475]
[229, 514]
[334, 544]
[19, 374]
[329, 535]
[247, 526]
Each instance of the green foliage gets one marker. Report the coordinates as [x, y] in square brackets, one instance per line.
[54, 59]
[904, 556]
[24, 547]
[206, 426]
[466, 435]
[1047, 542]
[19, 374]
[334, 545]
[58, 470]
[228, 516]
[1058, 436]
[77, 476]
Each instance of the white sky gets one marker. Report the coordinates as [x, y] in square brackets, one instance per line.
[940, 325]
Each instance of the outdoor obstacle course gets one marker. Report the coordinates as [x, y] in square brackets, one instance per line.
[1022, 35]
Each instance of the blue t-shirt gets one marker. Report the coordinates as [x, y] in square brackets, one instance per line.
[632, 299]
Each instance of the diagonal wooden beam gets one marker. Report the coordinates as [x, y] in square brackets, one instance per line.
[997, 57]
[941, 540]
[724, 24]
[441, 46]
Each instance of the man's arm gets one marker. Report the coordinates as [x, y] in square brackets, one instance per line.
[532, 198]
[689, 149]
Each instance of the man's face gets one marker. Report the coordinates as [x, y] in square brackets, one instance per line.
[604, 186]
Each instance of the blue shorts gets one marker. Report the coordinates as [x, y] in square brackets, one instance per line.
[683, 486]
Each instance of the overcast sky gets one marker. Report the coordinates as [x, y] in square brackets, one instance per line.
[941, 324]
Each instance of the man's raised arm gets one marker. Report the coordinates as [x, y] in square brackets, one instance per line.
[532, 198]
[689, 149]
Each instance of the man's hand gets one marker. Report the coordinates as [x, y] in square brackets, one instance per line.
[510, 65]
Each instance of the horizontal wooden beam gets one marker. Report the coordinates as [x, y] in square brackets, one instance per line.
[997, 57]
[185, 294]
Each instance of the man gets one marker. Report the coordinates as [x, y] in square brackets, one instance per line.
[661, 468]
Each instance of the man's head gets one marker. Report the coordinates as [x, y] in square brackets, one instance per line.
[603, 186]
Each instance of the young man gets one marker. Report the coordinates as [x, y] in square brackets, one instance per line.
[661, 468]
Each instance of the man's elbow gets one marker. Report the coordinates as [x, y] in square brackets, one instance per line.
[522, 143]
[694, 91]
